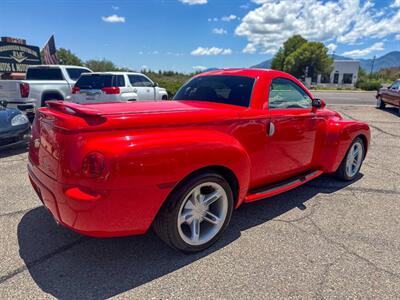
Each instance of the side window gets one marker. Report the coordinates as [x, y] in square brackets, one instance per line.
[139, 81]
[146, 82]
[284, 93]
[119, 80]
[396, 85]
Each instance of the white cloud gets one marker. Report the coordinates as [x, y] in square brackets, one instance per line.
[115, 7]
[194, 2]
[212, 19]
[333, 21]
[366, 51]
[395, 4]
[332, 47]
[229, 18]
[397, 37]
[199, 68]
[219, 31]
[200, 51]
[250, 49]
[114, 19]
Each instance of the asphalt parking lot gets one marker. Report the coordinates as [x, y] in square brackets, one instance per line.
[347, 97]
[326, 239]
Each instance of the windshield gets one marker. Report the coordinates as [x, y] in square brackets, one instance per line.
[95, 81]
[74, 73]
[234, 90]
[44, 74]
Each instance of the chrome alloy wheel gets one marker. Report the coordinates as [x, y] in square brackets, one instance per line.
[202, 213]
[354, 159]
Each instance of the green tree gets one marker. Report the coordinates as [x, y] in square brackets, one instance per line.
[102, 65]
[66, 57]
[290, 46]
[311, 55]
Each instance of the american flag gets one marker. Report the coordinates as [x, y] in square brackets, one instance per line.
[49, 52]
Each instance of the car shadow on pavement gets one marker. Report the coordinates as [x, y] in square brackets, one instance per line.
[393, 110]
[12, 151]
[70, 266]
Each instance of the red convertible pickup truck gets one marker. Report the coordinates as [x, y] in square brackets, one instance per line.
[182, 166]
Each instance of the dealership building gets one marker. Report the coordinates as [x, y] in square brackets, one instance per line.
[344, 74]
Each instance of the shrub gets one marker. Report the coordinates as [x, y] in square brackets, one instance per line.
[369, 85]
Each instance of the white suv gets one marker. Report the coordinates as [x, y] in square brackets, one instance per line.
[116, 87]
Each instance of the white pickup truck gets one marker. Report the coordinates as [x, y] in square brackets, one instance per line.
[116, 87]
[42, 83]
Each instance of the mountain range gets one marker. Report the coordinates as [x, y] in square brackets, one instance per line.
[389, 60]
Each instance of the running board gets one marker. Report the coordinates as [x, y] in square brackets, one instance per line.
[280, 187]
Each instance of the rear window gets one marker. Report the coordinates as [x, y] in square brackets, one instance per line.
[95, 81]
[99, 81]
[44, 74]
[74, 73]
[234, 90]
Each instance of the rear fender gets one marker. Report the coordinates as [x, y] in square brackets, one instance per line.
[166, 157]
[339, 135]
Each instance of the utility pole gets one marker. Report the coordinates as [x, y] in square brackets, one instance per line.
[372, 66]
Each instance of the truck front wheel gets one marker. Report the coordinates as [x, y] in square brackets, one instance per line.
[196, 213]
[379, 103]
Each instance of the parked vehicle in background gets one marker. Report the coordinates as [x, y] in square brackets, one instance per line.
[42, 83]
[229, 137]
[14, 127]
[116, 87]
[389, 95]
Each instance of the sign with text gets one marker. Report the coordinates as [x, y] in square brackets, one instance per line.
[17, 58]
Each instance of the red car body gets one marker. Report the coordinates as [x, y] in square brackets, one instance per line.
[142, 151]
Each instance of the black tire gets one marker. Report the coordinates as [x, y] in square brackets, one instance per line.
[341, 171]
[380, 103]
[165, 224]
[164, 98]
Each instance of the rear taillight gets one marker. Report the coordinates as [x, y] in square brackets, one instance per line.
[111, 90]
[24, 89]
[93, 165]
[75, 90]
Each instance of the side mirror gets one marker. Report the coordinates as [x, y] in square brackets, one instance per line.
[318, 103]
[155, 84]
[3, 103]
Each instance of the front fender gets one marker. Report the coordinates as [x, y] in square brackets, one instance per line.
[161, 93]
[339, 135]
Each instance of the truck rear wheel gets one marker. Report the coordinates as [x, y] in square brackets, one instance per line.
[51, 96]
[196, 214]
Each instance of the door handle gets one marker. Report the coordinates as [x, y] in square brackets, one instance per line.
[135, 90]
[271, 129]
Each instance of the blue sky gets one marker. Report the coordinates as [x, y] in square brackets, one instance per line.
[185, 35]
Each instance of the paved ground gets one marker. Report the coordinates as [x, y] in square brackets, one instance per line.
[343, 97]
[326, 239]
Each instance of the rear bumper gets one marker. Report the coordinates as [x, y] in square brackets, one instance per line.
[108, 213]
[15, 138]
[27, 107]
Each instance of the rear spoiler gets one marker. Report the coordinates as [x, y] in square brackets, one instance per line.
[73, 108]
